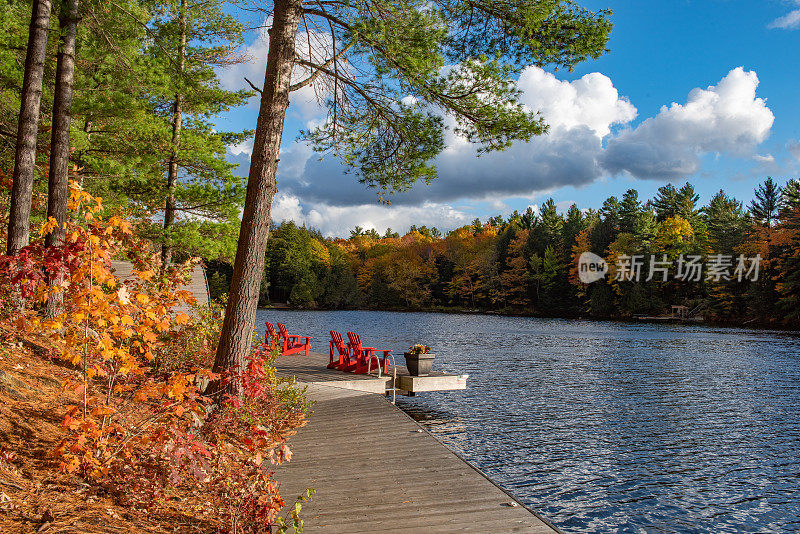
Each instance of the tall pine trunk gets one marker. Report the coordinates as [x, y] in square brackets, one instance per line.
[19, 221]
[172, 171]
[58, 179]
[237, 328]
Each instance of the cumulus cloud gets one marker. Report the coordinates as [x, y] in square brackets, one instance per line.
[790, 21]
[724, 118]
[591, 101]
[580, 113]
[590, 138]
[580, 147]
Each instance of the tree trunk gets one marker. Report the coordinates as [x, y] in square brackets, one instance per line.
[19, 221]
[58, 179]
[172, 172]
[237, 328]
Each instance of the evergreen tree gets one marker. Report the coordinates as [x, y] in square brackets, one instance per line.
[629, 210]
[552, 224]
[191, 39]
[19, 219]
[789, 261]
[528, 219]
[726, 221]
[790, 194]
[14, 18]
[610, 210]
[58, 179]
[645, 227]
[573, 224]
[687, 202]
[765, 207]
[667, 202]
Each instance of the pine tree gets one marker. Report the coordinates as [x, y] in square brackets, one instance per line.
[552, 224]
[58, 179]
[191, 39]
[726, 221]
[528, 219]
[574, 223]
[790, 194]
[666, 203]
[126, 135]
[687, 202]
[19, 219]
[789, 260]
[767, 204]
[629, 210]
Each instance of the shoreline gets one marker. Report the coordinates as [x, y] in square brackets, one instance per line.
[754, 324]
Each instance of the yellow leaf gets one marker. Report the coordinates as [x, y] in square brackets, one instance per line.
[142, 298]
[127, 320]
[181, 318]
[146, 275]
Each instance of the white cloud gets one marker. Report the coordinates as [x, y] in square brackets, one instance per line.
[591, 101]
[564, 205]
[339, 220]
[765, 158]
[790, 21]
[724, 118]
[245, 147]
[287, 208]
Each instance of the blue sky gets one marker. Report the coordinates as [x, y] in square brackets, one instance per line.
[702, 90]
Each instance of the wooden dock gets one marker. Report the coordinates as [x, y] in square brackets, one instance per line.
[376, 470]
[311, 369]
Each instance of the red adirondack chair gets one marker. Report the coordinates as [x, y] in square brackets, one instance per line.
[271, 334]
[363, 355]
[291, 342]
[341, 350]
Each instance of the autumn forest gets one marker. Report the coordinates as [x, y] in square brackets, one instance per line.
[526, 262]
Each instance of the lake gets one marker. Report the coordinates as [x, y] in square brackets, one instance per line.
[608, 427]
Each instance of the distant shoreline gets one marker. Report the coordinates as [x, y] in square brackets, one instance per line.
[755, 324]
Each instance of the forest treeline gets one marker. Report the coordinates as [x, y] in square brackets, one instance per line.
[526, 263]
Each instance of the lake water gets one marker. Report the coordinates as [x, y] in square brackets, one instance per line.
[609, 427]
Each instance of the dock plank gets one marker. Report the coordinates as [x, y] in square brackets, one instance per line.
[376, 470]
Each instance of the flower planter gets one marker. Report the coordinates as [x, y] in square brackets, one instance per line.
[419, 364]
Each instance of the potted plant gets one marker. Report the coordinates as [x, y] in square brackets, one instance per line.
[419, 360]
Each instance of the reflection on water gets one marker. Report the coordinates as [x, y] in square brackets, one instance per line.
[607, 427]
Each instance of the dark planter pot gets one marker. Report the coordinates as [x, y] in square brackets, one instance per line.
[419, 364]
